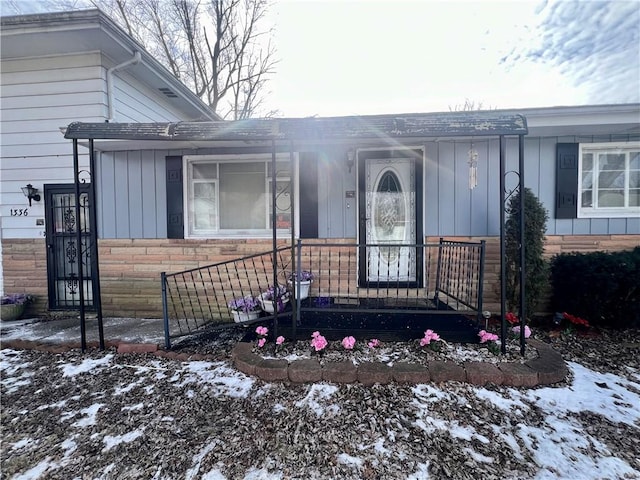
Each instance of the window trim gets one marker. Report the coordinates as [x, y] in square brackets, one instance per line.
[188, 160]
[604, 212]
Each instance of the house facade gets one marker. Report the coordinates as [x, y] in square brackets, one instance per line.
[58, 68]
[214, 181]
[173, 194]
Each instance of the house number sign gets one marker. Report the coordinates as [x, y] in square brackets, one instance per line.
[19, 212]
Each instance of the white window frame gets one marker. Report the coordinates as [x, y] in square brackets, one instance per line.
[189, 160]
[605, 212]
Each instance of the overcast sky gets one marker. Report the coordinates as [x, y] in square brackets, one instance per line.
[367, 57]
[340, 57]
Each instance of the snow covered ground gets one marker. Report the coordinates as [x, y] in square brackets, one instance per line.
[107, 416]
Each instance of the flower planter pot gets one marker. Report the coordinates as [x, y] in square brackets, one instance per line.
[304, 288]
[11, 311]
[268, 305]
[240, 317]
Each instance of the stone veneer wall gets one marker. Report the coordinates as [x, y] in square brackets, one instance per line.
[130, 269]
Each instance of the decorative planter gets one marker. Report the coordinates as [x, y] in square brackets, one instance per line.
[304, 288]
[268, 305]
[11, 311]
[240, 317]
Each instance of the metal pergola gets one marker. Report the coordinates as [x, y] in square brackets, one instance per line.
[290, 133]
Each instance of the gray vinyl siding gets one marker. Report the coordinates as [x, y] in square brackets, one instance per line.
[132, 196]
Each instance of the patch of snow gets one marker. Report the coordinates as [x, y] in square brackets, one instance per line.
[218, 376]
[261, 474]
[509, 439]
[501, 400]
[130, 408]
[129, 387]
[262, 391]
[422, 473]
[378, 447]
[353, 462]
[431, 425]
[86, 365]
[213, 475]
[278, 407]
[13, 384]
[319, 393]
[613, 401]
[561, 439]
[197, 460]
[15, 370]
[428, 393]
[37, 471]
[23, 443]
[91, 413]
[106, 474]
[112, 441]
[478, 457]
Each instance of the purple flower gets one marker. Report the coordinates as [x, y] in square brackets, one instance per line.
[305, 276]
[244, 304]
[16, 299]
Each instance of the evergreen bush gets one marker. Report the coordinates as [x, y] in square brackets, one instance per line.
[536, 268]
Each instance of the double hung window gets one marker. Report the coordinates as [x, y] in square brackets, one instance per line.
[232, 196]
[609, 180]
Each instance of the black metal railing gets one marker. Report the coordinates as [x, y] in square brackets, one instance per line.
[443, 278]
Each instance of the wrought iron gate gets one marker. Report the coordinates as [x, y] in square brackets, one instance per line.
[63, 254]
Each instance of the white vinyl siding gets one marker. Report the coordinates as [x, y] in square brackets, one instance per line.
[39, 96]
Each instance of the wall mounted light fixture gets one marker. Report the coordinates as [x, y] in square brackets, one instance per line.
[31, 193]
[351, 156]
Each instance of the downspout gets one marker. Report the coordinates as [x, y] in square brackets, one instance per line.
[132, 61]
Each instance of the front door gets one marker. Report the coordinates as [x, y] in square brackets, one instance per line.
[63, 254]
[390, 210]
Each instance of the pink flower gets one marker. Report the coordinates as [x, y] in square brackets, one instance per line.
[425, 341]
[487, 337]
[431, 335]
[262, 330]
[315, 334]
[348, 342]
[318, 342]
[261, 342]
[527, 331]
[280, 340]
[374, 343]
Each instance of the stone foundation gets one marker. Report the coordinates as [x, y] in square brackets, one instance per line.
[130, 268]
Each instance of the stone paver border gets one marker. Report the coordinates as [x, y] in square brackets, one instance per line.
[547, 369]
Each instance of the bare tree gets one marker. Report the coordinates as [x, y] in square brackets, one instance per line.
[218, 48]
[468, 106]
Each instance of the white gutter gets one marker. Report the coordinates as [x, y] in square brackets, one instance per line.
[132, 61]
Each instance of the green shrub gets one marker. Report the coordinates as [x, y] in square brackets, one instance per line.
[603, 288]
[536, 268]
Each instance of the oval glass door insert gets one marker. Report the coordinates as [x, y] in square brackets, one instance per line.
[389, 215]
